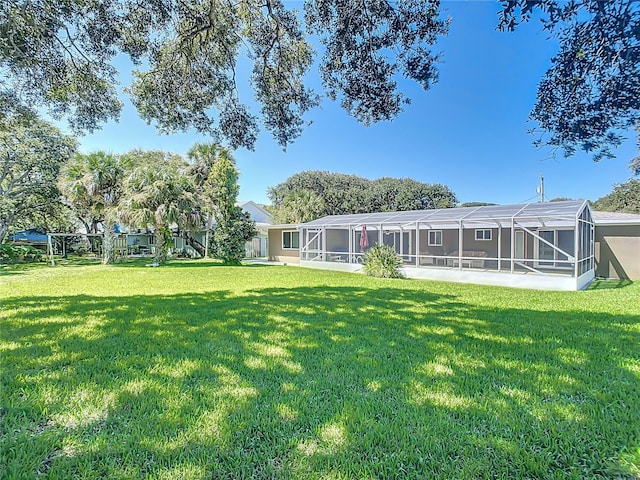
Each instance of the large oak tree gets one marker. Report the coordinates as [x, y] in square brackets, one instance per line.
[31, 154]
[590, 95]
[312, 194]
[624, 197]
[186, 55]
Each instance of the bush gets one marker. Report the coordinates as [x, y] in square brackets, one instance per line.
[382, 261]
[18, 253]
[182, 253]
[31, 254]
[8, 253]
[231, 233]
[79, 249]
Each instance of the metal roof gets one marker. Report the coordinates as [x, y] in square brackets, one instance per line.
[552, 213]
[28, 236]
[615, 218]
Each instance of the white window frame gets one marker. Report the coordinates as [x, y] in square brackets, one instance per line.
[435, 238]
[483, 237]
[291, 232]
[551, 263]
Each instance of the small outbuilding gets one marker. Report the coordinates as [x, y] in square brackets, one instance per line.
[33, 237]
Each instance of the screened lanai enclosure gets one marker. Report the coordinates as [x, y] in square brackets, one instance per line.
[533, 245]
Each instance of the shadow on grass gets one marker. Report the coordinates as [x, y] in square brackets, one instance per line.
[609, 284]
[341, 382]
[6, 270]
[181, 263]
[128, 262]
[20, 268]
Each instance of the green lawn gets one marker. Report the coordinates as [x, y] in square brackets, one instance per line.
[200, 371]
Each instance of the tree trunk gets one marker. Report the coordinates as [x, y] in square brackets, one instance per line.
[161, 247]
[196, 245]
[108, 244]
[207, 237]
[4, 228]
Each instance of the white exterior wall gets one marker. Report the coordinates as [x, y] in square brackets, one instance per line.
[585, 279]
[531, 280]
[342, 267]
[504, 279]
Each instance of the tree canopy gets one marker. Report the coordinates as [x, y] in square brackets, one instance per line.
[203, 157]
[399, 194]
[31, 154]
[624, 197]
[158, 192]
[591, 93]
[186, 57]
[299, 206]
[91, 185]
[233, 226]
[187, 53]
[339, 194]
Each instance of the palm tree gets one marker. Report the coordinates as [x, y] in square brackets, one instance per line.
[203, 157]
[158, 192]
[91, 185]
[300, 206]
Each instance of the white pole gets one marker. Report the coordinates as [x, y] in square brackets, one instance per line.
[576, 247]
[540, 189]
[323, 248]
[460, 245]
[417, 244]
[499, 247]
[50, 246]
[513, 243]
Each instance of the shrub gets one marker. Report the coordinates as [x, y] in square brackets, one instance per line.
[182, 253]
[8, 253]
[232, 231]
[31, 254]
[382, 261]
[18, 253]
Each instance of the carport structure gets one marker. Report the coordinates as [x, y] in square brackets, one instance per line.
[536, 245]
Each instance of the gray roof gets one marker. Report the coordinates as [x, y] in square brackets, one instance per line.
[615, 218]
[257, 213]
[534, 214]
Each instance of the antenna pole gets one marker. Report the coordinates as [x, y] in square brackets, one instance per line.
[541, 189]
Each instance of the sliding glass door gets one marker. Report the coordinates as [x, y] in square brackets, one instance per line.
[547, 255]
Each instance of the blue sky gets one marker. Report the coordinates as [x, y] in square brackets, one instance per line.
[468, 132]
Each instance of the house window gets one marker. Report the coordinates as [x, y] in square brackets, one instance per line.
[152, 240]
[290, 240]
[435, 238]
[483, 234]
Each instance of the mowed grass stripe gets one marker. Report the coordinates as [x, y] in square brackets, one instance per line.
[197, 370]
